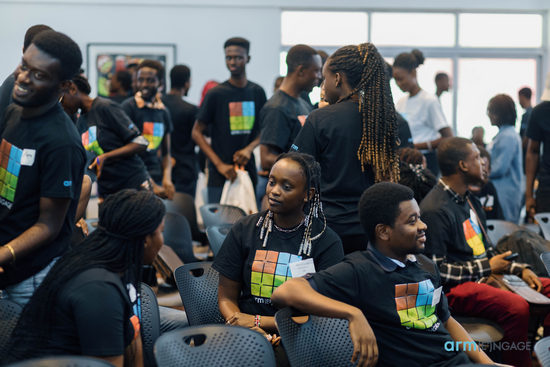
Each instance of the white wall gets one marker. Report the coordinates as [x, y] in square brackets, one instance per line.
[197, 27]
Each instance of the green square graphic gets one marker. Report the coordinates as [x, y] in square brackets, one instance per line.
[267, 280]
[255, 289]
[2, 174]
[279, 279]
[412, 313]
[256, 277]
[248, 122]
[236, 122]
[266, 291]
[11, 194]
[13, 181]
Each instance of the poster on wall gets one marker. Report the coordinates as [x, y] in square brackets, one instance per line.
[105, 59]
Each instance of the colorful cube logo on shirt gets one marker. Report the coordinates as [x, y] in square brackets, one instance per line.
[241, 117]
[269, 270]
[89, 141]
[154, 133]
[10, 166]
[414, 304]
[472, 233]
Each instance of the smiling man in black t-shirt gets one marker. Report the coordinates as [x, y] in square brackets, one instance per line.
[229, 112]
[391, 285]
[41, 166]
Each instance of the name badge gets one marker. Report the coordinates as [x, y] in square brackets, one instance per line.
[27, 158]
[437, 296]
[301, 268]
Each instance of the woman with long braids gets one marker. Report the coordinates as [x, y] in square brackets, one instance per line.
[354, 138]
[421, 109]
[259, 252]
[88, 303]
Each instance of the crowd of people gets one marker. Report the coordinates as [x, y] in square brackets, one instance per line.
[382, 205]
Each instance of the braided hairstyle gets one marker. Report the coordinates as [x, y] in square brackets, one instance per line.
[125, 219]
[364, 68]
[312, 209]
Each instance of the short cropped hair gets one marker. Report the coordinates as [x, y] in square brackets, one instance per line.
[450, 152]
[299, 55]
[124, 77]
[179, 76]
[440, 76]
[526, 92]
[502, 106]
[32, 32]
[238, 41]
[82, 84]
[63, 48]
[153, 64]
[379, 204]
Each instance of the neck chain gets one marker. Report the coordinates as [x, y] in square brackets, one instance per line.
[456, 197]
[290, 230]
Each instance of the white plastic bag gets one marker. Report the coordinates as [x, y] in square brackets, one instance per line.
[201, 197]
[240, 193]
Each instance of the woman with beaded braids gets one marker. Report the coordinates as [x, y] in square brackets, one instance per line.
[421, 109]
[258, 253]
[354, 138]
[88, 304]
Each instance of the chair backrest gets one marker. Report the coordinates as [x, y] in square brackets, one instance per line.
[320, 341]
[9, 314]
[63, 361]
[545, 257]
[543, 220]
[217, 214]
[150, 323]
[177, 235]
[198, 287]
[184, 204]
[216, 235]
[214, 345]
[496, 229]
[481, 330]
[542, 350]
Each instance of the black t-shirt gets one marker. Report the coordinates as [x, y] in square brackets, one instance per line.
[260, 270]
[230, 113]
[488, 198]
[332, 135]
[6, 90]
[453, 228]
[119, 99]
[154, 124]
[403, 132]
[105, 128]
[539, 130]
[281, 119]
[182, 147]
[400, 304]
[39, 157]
[82, 326]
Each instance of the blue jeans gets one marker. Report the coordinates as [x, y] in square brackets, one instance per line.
[22, 292]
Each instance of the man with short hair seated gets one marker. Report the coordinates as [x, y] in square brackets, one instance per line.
[457, 243]
[399, 291]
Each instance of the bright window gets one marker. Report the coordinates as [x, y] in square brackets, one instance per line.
[413, 29]
[500, 30]
[325, 28]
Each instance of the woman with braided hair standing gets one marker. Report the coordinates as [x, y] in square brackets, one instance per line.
[261, 250]
[421, 109]
[354, 139]
[89, 302]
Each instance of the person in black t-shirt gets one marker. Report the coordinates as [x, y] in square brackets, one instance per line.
[285, 112]
[393, 287]
[41, 166]
[153, 120]
[258, 253]
[184, 173]
[486, 191]
[229, 111]
[120, 87]
[89, 304]
[354, 138]
[111, 138]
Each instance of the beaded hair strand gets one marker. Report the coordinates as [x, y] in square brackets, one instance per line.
[364, 69]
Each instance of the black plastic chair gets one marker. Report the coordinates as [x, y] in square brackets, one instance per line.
[496, 229]
[543, 220]
[184, 204]
[320, 341]
[481, 330]
[9, 314]
[216, 235]
[63, 361]
[214, 345]
[218, 214]
[150, 324]
[545, 257]
[177, 235]
[542, 350]
[198, 287]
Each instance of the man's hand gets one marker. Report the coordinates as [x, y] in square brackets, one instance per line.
[530, 206]
[498, 264]
[227, 170]
[83, 226]
[241, 319]
[365, 349]
[241, 157]
[158, 190]
[98, 164]
[169, 189]
[532, 279]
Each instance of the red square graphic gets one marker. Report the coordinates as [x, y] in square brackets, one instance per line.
[412, 288]
[148, 128]
[401, 303]
[258, 266]
[260, 255]
[235, 109]
[400, 290]
[411, 301]
[272, 256]
[269, 267]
